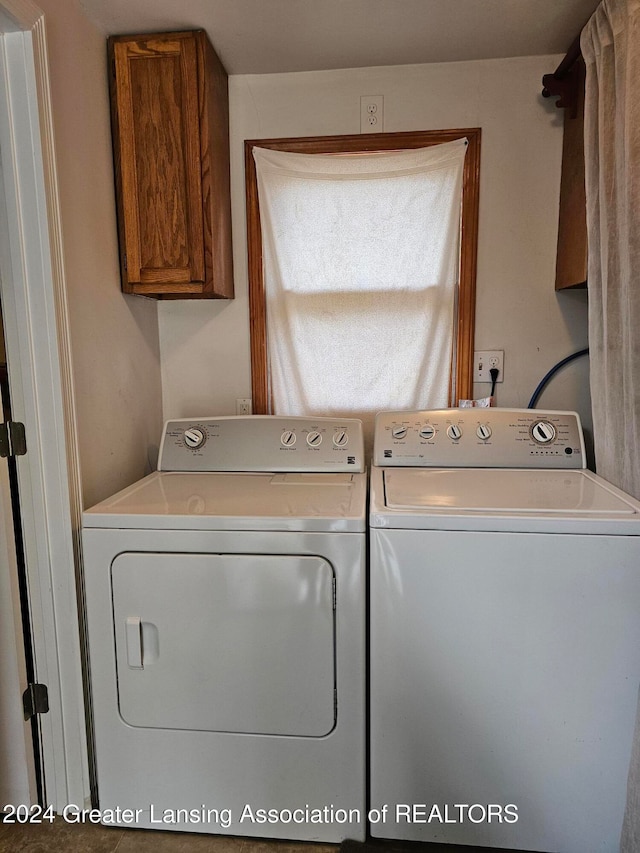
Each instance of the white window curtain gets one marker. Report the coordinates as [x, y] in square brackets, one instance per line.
[610, 44]
[361, 261]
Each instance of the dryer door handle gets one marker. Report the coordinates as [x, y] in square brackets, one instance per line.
[133, 628]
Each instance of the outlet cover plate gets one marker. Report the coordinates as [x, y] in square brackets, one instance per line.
[371, 113]
[484, 360]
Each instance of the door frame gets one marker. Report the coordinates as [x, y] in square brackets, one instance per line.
[37, 340]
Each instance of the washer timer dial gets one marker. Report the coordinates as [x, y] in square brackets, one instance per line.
[543, 432]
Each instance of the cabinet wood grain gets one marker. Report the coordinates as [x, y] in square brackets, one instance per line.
[170, 124]
[571, 260]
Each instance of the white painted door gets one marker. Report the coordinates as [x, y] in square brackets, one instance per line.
[35, 322]
[17, 771]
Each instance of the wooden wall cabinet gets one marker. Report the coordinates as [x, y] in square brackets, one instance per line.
[571, 260]
[170, 125]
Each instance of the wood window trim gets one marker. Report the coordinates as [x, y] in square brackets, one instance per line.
[361, 143]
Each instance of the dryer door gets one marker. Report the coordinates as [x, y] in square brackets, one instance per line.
[225, 642]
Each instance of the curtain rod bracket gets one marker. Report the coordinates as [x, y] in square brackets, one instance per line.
[565, 81]
[565, 89]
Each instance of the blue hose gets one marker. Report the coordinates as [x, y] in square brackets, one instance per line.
[556, 367]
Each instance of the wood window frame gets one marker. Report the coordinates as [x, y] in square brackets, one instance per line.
[367, 143]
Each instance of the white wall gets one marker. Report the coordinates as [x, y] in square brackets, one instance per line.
[114, 338]
[205, 346]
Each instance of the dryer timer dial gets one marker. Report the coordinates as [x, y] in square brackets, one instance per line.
[194, 437]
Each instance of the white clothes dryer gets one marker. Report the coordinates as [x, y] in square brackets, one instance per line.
[226, 620]
[504, 632]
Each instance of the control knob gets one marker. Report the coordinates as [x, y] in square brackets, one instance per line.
[454, 432]
[483, 432]
[399, 431]
[288, 438]
[543, 432]
[314, 439]
[340, 438]
[427, 431]
[194, 437]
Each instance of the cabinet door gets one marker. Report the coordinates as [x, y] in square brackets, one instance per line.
[158, 163]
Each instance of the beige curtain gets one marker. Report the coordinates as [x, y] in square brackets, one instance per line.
[611, 48]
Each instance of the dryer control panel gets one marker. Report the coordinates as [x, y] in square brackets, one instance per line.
[262, 443]
[479, 438]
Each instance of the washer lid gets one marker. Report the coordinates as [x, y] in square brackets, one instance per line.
[243, 501]
[481, 490]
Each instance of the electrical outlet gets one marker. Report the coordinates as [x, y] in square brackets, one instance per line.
[243, 406]
[371, 113]
[484, 361]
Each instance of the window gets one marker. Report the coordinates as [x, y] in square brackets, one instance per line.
[463, 350]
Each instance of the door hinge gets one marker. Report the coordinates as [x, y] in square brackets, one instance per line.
[35, 700]
[13, 440]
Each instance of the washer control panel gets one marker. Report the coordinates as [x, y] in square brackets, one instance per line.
[479, 438]
[262, 443]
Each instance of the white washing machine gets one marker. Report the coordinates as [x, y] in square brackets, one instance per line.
[505, 633]
[226, 619]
